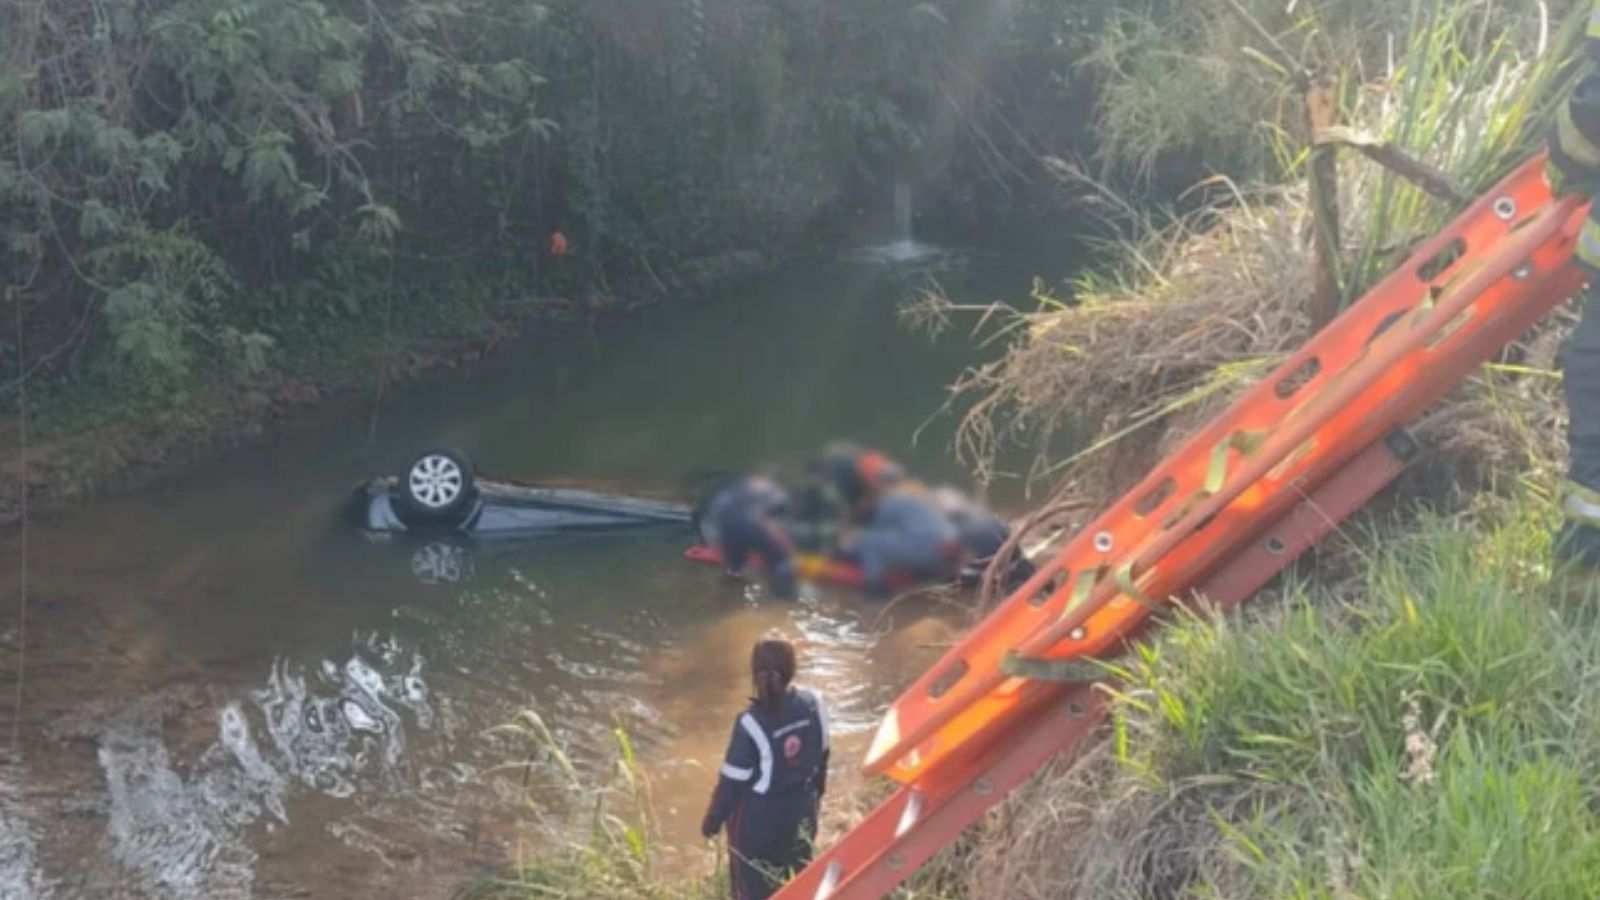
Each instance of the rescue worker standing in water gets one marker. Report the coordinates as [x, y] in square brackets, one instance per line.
[769, 791]
[744, 521]
[1574, 167]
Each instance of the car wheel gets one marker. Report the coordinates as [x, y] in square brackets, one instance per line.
[438, 486]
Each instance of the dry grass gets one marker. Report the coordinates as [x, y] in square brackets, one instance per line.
[1198, 309]
[1145, 356]
[1102, 384]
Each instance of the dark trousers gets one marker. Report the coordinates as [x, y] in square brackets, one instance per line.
[1580, 363]
[1579, 540]
[758, 871]
[744, 535]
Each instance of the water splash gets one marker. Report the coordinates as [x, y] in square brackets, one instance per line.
[904, 248]
[179, 838]
[902, 213]
[334, 730]
[19, 866]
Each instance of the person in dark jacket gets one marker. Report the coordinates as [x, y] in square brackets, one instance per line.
[857, 477]
[744, 520]
[769, 791]
[1574, 167]
[981, 533]
[907, 539]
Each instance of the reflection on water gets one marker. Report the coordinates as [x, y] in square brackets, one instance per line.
[385, 752]
[343, 726]
[333, 730]
[230, 695]
[180, 837]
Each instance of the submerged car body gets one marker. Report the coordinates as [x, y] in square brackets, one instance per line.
[440, 495]
[447, 516]
[514, 510]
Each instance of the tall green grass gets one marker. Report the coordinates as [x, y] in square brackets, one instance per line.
[600, 845]
[1431, 734]
[1467, 98]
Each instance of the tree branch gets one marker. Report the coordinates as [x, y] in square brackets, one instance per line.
[1430, 178]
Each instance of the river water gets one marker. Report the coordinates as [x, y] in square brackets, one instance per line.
[228, 694]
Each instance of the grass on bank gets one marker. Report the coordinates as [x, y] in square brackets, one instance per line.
[1433, 732]
[1423, 730]
[601, 843]
[1193, 311]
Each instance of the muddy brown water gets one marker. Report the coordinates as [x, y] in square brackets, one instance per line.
[227, 693]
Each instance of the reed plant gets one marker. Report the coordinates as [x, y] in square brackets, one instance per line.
[597, 840]
[1189, 311]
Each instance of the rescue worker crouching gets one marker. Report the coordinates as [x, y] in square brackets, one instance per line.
[906, 539]
[981, 533]
[744, 520]
[893, 529]
[770, 787]
[1574, 167]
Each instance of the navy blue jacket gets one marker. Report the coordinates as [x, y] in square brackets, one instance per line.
[774, 774]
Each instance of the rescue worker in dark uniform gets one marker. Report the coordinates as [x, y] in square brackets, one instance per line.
[744, 519]
[857, 477]
[892, 528]
[906, 539]
[769, 792]
[1574, 167]
[981, 533]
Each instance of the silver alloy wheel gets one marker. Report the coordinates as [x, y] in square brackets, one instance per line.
[436, 481]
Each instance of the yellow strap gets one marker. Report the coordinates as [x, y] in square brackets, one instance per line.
[1246, 442]
[1066, 671]
[1081, 588]
[1125, 581]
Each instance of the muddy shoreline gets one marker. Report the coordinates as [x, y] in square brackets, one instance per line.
[67, 469]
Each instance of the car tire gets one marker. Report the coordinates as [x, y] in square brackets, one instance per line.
[438, 487]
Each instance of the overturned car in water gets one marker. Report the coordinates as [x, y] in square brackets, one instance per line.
[440, 498]
[440, 492]
[450, 513]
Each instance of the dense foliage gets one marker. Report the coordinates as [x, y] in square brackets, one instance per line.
[190, 189]
[188, 182]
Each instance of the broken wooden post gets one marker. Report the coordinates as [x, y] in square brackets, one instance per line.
[1322, 112]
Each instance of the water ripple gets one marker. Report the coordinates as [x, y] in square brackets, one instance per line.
[19, 868]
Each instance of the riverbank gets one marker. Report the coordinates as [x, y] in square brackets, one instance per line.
[1407, 714]
[82, 444]
[1425, 725]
